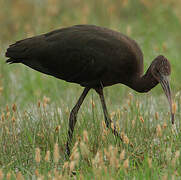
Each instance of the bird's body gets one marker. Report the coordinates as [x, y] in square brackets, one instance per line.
[83, 54]
[93, 57]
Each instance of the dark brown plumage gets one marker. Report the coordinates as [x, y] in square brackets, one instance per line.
[93, 57]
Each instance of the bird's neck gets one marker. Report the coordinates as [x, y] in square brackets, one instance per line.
[145, 82]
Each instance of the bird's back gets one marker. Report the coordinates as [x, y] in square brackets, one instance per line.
[84, 54]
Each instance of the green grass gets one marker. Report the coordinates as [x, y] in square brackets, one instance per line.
[152, 152]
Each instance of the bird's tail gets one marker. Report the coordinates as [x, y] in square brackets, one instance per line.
[11, 61]
[16, 52]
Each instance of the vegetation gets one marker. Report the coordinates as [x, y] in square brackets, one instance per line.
[34, 108]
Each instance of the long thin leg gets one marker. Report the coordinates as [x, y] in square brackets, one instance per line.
[73, 118]
[106, 115]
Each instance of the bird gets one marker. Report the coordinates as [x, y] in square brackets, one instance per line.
[93, 57]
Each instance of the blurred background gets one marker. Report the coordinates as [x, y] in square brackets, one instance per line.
[155, 25]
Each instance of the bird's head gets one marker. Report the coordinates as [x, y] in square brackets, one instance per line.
[161, 69]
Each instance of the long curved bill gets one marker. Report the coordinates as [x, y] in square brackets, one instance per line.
[164, 81]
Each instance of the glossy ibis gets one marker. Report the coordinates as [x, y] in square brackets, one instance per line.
[94, 57]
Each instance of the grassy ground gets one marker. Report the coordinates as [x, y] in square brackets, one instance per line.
[34, 108]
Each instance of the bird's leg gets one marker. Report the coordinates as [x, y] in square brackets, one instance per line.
[106, 115]
[73, 119]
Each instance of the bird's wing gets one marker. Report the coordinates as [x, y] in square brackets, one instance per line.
[85, 66]
[80, 54]
[73, 60]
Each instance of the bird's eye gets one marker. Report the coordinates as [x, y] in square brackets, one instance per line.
[157, 71]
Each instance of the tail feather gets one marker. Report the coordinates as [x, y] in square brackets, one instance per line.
[11, 61]
[16, 52]
[26, 49]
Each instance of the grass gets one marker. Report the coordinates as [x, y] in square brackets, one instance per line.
[34, 108]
